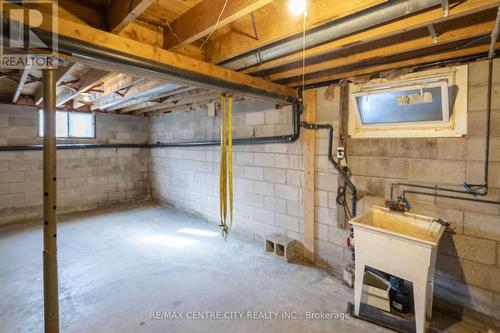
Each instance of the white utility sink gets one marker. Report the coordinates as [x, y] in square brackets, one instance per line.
[400, 244]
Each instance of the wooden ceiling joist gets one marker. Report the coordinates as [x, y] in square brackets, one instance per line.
[175, 98]
[121, 13]
[138, 94]
[417, 21]
[446, 55]
[274, 23]
[87, 81]
[201, 20]
[22, 81]
[175, 66]
[62, 74]
[403, 44]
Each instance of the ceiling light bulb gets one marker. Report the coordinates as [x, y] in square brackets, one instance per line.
[297, 7]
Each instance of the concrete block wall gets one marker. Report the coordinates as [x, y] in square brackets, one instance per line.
[86, 178]
[468, 275]
[268, 179]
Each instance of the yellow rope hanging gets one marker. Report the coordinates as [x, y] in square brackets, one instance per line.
[226, 164]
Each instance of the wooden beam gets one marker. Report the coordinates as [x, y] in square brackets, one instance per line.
[195, 72]
[22, 80]
[121, 13]
[417, 21]
[274, 22]
[62, 74]
[87, 81]
[309, 151]
[402, 45]
[395, 65]
[200, 20]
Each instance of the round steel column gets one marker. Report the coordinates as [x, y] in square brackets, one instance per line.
[50, 283]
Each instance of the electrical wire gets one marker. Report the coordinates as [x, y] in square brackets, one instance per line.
[304, 51]
[215, 25]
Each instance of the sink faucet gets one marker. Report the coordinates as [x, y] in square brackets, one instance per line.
[399, 204]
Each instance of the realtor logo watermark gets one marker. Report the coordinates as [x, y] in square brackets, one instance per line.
[24, 45]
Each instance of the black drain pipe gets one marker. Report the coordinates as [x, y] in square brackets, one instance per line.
[340, 170]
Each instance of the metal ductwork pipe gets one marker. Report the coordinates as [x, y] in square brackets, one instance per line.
[365, 19]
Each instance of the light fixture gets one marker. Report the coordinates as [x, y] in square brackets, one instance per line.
[297, 7]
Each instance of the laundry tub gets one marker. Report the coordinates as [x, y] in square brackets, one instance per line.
[400, 244]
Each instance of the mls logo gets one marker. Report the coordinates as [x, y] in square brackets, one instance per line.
[29, 36]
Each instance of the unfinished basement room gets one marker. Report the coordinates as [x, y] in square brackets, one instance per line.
[242, 166]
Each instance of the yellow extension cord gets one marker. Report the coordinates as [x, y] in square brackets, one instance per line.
[226, 163]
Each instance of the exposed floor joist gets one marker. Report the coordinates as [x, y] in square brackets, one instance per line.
[404, 43]
[201, 20]
[87, 81]
[447, 55]
[121, 13]
[190, 70]
[61, 75]
[275, 23]
[22, 81]
[417, 21]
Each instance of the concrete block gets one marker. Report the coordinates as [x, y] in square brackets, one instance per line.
[264, 188]
[379, 167]
[326, 216]
[255, 173]
[241, 184]
[275, 117]
[460, 294]
[254, 118]
[283, 247]
[286, 222]
[11, 200]
[478, 73]
[321, 198]
[482, 225]
[480, 275]
[263, 215]
[321, 231]
[451, 149]
[243, 158]
[275, 205]
[295, 209]
[275, 175]
[12, 177]
[295, 177]
[281, 148]
[287, 161]
[263, 159]
[449, 267]
[440, 172]
[470, 248]
[476, 124]
[496, 304]
[326, 181]
[477, 98]
[287, 192]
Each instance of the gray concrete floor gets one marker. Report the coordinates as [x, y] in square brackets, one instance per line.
[118, 265]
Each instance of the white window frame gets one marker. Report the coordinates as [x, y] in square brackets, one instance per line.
[40, 130]
[454, 124]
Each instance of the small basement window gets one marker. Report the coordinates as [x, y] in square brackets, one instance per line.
[71, 125]
[424, 104]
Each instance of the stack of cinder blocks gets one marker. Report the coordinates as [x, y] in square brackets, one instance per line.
[283, 247]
